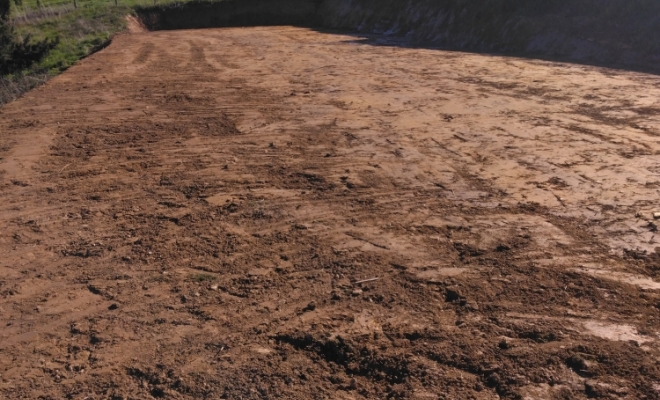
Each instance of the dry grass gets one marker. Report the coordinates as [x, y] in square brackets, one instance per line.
[34, 16]
[13, 87]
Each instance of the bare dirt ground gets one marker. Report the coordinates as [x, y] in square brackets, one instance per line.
[267, 213]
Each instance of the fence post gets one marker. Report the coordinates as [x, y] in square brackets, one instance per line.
[75, 3]
[38, 3]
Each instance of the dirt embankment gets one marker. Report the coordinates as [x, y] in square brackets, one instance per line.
[614, 33]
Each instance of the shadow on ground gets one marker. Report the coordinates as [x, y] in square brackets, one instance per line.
[574, 33]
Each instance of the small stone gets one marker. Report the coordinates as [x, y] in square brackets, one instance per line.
[656, 215]
[214, 287]
[336, 296]
[310, 307]
[113, 306]
[197, 294]
[356, 292]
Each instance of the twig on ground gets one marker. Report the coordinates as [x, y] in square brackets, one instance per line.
[366, 280]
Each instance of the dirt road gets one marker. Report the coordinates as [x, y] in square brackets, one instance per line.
[266, 213]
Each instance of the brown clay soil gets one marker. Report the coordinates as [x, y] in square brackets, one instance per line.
[278, 213]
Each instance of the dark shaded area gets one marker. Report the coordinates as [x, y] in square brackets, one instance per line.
[356, 360]
[613, 33]
[4, 9]
[231, 13]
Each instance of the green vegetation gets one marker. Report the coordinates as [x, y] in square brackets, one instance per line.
[16, 55]
[79, 32]
[70, 29]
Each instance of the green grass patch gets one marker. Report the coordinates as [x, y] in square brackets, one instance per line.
[79, 32]
[82, 28]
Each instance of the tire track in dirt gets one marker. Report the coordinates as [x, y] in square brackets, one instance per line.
[198, 229]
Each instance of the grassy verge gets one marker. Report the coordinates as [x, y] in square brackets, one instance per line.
[81, 29]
